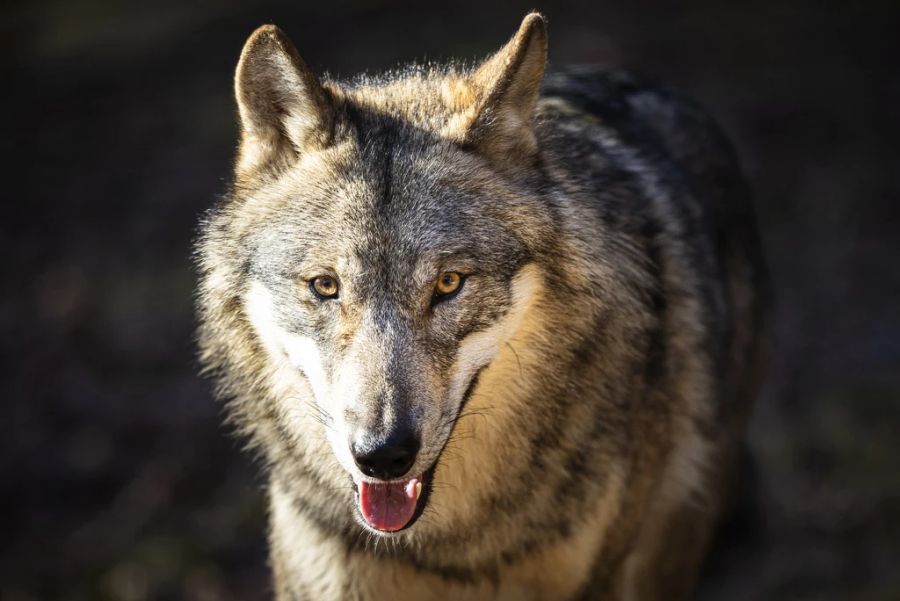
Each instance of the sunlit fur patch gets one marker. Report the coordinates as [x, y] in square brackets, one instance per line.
[479, 348]
[511, 357]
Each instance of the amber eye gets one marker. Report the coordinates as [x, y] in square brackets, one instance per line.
[448, 283]
[324, 286]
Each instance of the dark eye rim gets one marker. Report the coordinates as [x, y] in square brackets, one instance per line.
[323, 297]
[437, 297]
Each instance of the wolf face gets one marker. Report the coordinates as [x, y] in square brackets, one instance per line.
[378, 272]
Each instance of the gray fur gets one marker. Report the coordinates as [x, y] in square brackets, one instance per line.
[606, 429]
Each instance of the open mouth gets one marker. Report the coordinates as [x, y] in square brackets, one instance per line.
[391, 506]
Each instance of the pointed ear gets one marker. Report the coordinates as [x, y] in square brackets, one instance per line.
[505, 90]
[284, 110]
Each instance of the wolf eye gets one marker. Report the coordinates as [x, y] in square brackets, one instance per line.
[448, 284]
[324, 286]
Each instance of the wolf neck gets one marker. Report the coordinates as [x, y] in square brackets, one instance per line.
[307, 558]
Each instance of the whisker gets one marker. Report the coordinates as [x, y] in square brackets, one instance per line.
[518, 361]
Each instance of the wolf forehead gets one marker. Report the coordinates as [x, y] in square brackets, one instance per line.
[382, 204]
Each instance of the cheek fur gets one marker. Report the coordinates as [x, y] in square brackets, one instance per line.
[478, 349]
[299, 352]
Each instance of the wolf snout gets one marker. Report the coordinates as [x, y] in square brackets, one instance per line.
[386, 456]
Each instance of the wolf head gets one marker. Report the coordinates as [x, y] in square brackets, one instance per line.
[378, 254]
[387, 265]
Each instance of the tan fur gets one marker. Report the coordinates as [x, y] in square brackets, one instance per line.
[606, 394]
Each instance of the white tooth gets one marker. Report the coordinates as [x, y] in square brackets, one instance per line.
[418, 490]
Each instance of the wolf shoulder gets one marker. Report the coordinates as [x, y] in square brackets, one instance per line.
[636, 157]
[611, 123]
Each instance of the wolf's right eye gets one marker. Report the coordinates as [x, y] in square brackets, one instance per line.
[324, 286]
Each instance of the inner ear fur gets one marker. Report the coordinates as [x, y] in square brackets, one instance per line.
[502, 95]
[284, 109]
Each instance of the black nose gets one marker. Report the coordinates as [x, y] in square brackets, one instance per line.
[385, 458]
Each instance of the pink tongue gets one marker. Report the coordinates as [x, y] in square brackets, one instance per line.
[388, 506]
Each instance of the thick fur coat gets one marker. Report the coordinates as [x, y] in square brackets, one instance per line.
[577, 401]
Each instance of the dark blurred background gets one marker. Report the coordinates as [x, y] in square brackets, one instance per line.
[118, 130]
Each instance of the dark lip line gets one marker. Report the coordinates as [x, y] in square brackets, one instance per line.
[427, 475]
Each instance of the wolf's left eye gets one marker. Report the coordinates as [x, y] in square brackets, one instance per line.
[324, 286]
[448, 284]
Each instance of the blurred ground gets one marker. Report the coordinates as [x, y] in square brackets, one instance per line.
[118, 128]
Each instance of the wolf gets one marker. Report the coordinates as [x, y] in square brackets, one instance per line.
[495, 333]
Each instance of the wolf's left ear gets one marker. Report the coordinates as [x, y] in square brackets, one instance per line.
[505, 88]
[284, 109]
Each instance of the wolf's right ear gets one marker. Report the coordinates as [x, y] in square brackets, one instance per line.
[284, 109]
